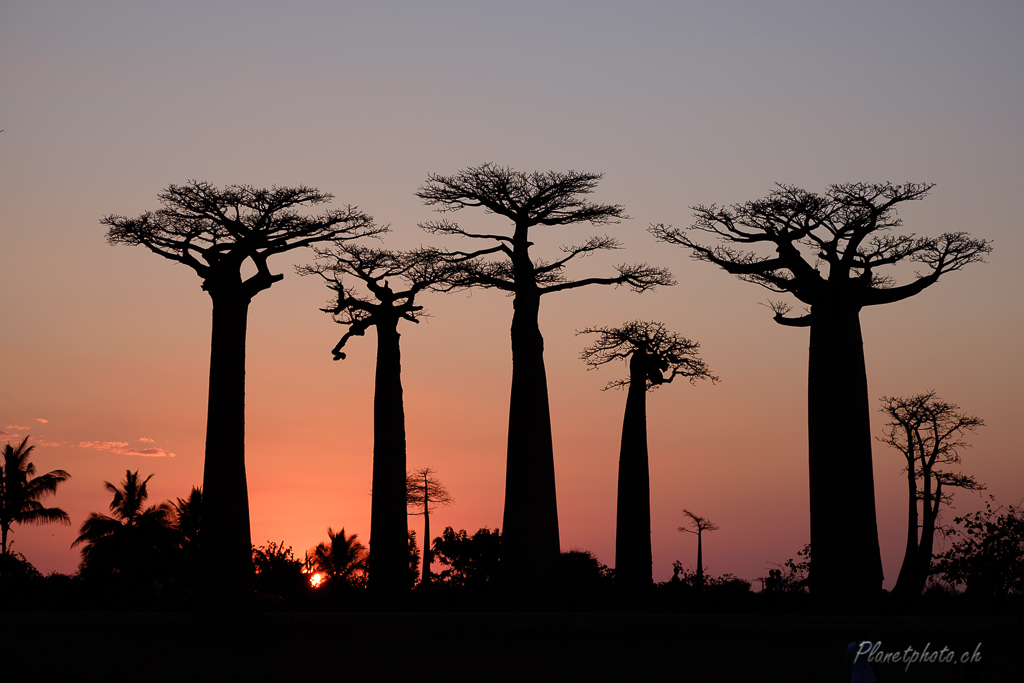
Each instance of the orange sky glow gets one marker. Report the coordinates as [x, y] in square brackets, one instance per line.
[105, 350]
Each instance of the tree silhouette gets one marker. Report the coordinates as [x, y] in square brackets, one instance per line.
[698, 525]
[215, 232]
[530, 546]
[21, 491]
[472, 560]
[655, 356]
[828, 251]
[130, 540]
[424, 490]
[377, 269]
[987, 556]
[342, 558]
[929, 433]
[188, 521]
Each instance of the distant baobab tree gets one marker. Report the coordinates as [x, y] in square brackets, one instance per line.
[655, 356]
[827, 251]
[530, 543]
[378, 270]
[424, 492]
[930, 433]
[20, 492]
[698, 525]
[215, 232]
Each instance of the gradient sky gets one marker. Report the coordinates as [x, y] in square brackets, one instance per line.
[104, 352]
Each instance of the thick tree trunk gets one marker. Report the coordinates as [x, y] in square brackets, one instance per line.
[633, 563]
[907, 580]
[846, 565]
[226, 545]
[389, 531]
[529, 540]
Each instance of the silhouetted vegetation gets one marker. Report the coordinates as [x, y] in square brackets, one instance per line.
[929, 433]
[377, 269]
[655, 357]
[986, 559]
[423, 492]
[472, 560]
[20, 492]
[827, 251]
[529, 201]
[697, 525]
[341, 559]
[134, 542]
[216, 232]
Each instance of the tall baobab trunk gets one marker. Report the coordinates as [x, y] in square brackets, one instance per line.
[633, 563]
[846, 567]
[227, 543]
[529, 542]
[906, 580]
[428, 553]
[389, 531]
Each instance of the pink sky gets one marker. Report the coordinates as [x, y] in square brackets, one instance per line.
[106, 103]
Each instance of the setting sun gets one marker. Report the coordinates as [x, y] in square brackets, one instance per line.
[316, 580]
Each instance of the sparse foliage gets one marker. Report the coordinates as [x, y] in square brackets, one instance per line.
[529, 201]
[215, 232]
[697, 525]
[424, 492]
[831, 252]
[930, 434]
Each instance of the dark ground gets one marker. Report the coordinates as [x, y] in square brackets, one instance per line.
[286, 646]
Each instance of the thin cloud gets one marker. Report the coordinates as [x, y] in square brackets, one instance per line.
[8, 435]
[145, 440]
[52, 443]
[144, 452]
[42, 419]
[18, 427]
[102, 445]
[123, 448]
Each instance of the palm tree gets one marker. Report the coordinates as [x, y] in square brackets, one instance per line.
[20, 491]
[188, 513]
[128, 541]
[342, 557]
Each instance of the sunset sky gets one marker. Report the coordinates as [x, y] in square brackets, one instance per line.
[104, 352]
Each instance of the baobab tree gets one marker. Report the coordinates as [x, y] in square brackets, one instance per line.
[828, 251]
[656, 357]
[930, 433]
[377, 269]
[530, 544]
[216, 232]
[423, 492]
[698, 525]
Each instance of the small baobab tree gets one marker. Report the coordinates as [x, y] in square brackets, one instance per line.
[697, 526]
[424, 492]
[393, 280]
[216, 232]
[655, 356]
[829, 251]
[530, 202]
[929, 433]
